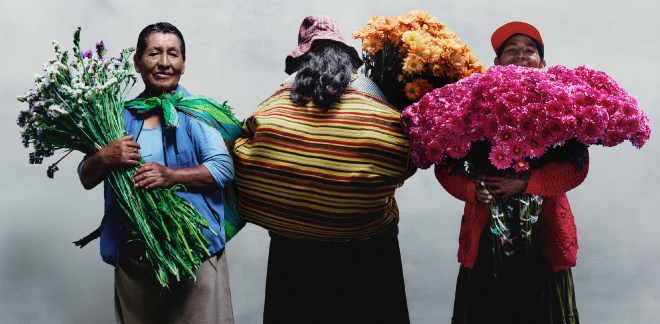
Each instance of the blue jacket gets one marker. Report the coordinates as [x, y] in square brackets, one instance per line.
[190, 144]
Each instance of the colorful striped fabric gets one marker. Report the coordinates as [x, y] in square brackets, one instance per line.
[304, 173]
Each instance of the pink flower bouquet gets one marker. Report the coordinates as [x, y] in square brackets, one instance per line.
[522, 112]
[513, 119]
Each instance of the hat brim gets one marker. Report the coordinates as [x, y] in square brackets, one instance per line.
[293, 59]
[515, 27]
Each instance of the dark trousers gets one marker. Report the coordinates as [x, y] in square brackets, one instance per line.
[358, 281]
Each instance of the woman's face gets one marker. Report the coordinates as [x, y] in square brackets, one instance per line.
[520, 50]
[161, 64]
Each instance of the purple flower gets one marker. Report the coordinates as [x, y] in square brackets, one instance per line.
[100, 49]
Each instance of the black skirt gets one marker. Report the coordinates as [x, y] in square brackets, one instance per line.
[527, 293]
[358, 281]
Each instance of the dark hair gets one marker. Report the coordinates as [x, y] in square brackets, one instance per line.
[161, 27]
[539, 46]
[323, 74]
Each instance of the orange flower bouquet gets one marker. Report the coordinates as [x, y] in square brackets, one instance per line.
[410, 55]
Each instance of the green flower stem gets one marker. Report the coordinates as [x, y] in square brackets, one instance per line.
[523, 208]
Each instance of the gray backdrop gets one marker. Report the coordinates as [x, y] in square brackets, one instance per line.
[236, 52]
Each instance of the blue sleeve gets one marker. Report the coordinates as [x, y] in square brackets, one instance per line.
[80, 166]
[212, 152]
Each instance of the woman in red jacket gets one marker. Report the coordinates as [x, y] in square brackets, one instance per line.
[540, 292]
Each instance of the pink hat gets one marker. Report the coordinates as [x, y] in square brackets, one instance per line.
[318, 27]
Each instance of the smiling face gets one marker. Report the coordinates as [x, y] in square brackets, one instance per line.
[520, 50]
[161, 65]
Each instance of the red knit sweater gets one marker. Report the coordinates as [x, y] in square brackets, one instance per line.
[556, 228]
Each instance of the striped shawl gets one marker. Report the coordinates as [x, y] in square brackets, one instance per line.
[308, 174]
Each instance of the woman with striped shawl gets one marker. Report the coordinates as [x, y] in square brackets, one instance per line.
[317, 168]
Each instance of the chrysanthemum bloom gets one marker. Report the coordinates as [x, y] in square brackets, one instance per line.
[516, 150]
[386, 24]
[396, 34]
[509, 119]
[372, 44]
[425, 85]
[379, 23]
[592, 122]
[490, 126]
[456, 58]
[506, 134]
[535, 149]
[613, 137]
[417, 88]
[544, 137]
[411, 37]
[526, 127]
[435, 53]
[406, 19]
[557, 130]
[520, 165]
[459, 149]
[642, 135]
[412, 64]
[570, 124]
[449, 47]
[421, 48]
[423, 16]
[413, 91]
[555, 108]
[499, 158]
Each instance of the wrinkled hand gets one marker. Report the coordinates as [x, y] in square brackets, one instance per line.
[152, 175]
[505, 186]
[123, 152]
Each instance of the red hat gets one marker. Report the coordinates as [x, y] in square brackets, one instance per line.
[515, 27]
[318, 27]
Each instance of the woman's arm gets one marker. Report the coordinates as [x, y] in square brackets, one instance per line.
[460, 186]
[555, 178]
[549, 180]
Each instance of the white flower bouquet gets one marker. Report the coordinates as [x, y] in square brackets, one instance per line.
[77, 105]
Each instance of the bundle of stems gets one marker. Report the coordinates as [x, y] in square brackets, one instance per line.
[78, 105]
[513, 224]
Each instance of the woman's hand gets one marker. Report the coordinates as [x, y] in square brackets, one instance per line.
[152, 175]
[123, 152]
[505, 186]
[481, 194]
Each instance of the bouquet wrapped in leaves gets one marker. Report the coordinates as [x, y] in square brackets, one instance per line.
[77, 105]
[512, 119]
[410, 55]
